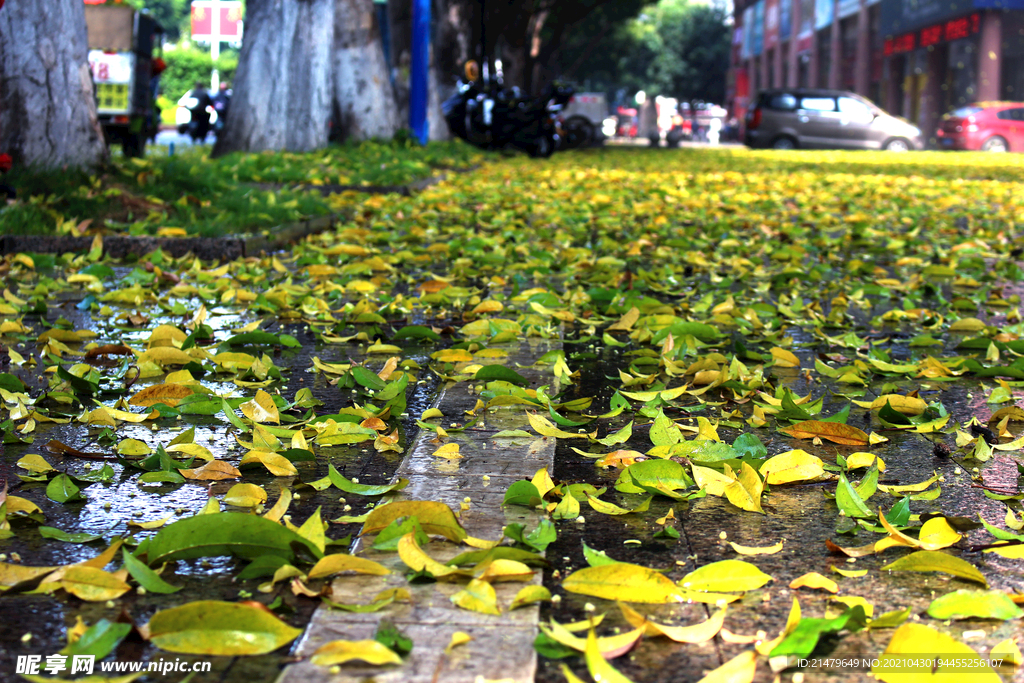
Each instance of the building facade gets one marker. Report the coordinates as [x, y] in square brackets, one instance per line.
[915, 58]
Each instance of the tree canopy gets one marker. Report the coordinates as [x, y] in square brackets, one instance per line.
[675, 48]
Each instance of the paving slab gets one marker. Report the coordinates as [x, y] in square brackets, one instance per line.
[474, 486]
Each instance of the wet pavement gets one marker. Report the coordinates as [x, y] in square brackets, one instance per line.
[802, 516]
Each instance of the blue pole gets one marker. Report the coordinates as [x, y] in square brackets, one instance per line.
[420, 63]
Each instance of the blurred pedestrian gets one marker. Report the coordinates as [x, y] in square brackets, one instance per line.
[221, 104]
[199, 125]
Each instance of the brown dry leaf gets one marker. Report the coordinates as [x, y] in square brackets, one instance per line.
[169, 394]
[215, 470]
[109, 350]
[836, 432]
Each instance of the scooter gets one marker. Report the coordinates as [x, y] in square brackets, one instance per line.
[493, 117]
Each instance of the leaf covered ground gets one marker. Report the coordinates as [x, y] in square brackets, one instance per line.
[190, 194]
[784, 397]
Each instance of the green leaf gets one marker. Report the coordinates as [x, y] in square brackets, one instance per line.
[543, 535]
[146, 577]
[349, 486]
[501, 373]
[899, 514]
[226, 533]
[211, 627]
[522, 492]
[849, 501]
[804, 638]
[387, 539]
[968, 604]
[618, 437]
[749, 446]
[725, 575]
[63, 490]
[664, 431]
[388, 634]
[596, 558]
[416, 332]
[252, 339]
[50, 532]
[935, 561]
[651, 473]
[99, 640]
[366, 377]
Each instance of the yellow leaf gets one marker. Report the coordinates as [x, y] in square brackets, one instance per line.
[895, 665]
[341, 651]
[449, 451]
[261, 409]
[815, 580]
[505, 570]
[784, 358]
[154, 524]
[330, 565]
[528, 595]
[542, 480]
[908, 405]
[477, 596]
[192, 449]
[749, 550]
[745, 491]
[413, 556]
[92, 584]
[791, 466]
[165, 355]
[245, 496]
[739, 669]
[712, 481]
[864, 459]
[626, 322]
[544, 427]
[613, 581]
[458, 638]
[850, 573]
[276, 464]
[35, 463]
[696, 633]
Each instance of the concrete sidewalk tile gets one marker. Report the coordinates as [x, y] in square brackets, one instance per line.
[495, 653]
[502, 646]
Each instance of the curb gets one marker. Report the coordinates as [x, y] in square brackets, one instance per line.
[212, 248]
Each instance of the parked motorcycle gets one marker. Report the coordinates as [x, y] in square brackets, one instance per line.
[492, 117]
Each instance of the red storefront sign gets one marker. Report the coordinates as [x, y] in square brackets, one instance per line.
[953, 29]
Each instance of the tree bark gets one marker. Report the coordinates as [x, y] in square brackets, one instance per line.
[282, 88]
[48, 118]
[364, 101]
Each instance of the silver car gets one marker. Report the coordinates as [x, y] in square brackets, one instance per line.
[825, 119]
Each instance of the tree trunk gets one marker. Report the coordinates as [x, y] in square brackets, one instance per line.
[282, 88]
[48, 118]
[364, 101]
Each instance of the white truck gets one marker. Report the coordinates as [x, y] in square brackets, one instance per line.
[121, 42]
[583, 118]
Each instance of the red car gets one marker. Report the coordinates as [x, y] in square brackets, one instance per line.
[985, 126]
